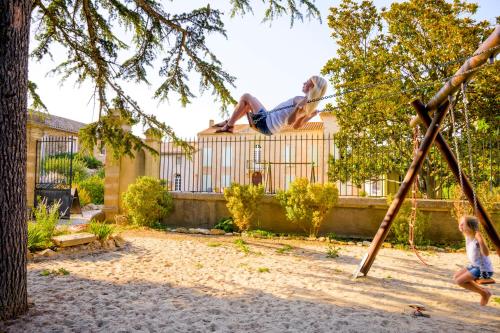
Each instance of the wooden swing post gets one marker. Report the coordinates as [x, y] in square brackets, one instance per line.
[399, 198]
[489, 48]
[445, 149]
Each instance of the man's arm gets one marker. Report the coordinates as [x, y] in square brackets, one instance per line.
[304, 119]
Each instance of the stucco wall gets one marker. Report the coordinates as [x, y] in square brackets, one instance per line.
[354, 217]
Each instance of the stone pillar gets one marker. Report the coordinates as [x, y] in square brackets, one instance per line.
[120, 173]
[152, 162]
[33, 133]
[112, 180]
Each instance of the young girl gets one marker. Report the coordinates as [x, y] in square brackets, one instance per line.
[295, 111]
[480, 264]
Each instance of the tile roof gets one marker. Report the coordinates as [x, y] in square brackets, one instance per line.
[56, 122]
[245, 129]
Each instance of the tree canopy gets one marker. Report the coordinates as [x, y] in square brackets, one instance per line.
[395, 55]
[109, 42]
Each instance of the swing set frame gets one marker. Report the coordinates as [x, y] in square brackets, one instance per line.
[439, 104]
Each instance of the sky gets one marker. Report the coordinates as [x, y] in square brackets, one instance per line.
[270, 61]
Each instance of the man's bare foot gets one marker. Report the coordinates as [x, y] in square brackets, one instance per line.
[485, 297]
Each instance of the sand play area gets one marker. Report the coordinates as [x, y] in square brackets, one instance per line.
[169, 282]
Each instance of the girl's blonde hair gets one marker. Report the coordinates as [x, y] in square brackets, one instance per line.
[317, 91]
[472, 222]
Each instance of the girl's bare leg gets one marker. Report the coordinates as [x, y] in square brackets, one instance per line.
[466, 280]
[246, 104]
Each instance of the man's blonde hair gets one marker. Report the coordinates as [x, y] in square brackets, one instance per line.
[317, 91]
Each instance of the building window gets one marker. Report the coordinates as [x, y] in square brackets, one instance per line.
[207, 157]
[177, 182]
[257, 153]
[289, 178]
[226, 156]
[225, 181]
[206, 185]
[288, 153]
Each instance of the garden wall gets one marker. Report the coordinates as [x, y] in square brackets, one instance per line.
[352, 217]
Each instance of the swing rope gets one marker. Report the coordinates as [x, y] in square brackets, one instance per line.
[469, 143]
[413, 216]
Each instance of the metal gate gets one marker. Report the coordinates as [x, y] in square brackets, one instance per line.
[54, 172]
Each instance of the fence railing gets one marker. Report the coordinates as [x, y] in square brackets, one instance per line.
[274, 162]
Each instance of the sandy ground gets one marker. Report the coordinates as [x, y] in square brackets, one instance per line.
[165, 282]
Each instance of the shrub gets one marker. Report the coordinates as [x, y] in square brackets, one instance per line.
[101, 230]
[60, 165]
[84, 196]
[147, 201]
[307, 204]
[226, 224]
[90, 161]
[401, 225]
[94, 186]
[42, 229]
[242, 203]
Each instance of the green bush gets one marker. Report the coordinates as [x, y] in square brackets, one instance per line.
[226, 224]
[242, 203]
[401, 225]
[84, 196]
[94, 186]
[90, 161]
[61, 166]
[307, 204]
[101, 230]
[42, 229]
[147, 201]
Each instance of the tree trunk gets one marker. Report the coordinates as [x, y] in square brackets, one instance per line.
[14, 40]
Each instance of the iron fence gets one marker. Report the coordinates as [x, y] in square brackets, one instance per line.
[358, 169]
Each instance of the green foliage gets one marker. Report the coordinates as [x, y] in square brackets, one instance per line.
[285, 248]
[263, 270]
[60, 164]
[242, 246]
[307, 204]
[101, 230]
[401, 47]
[258, 233]
[60, 271]
[110, 43]
[213, 244]
[147, 201]
[400, 227]
[332, 251]
[94, 186]
[41, 230]
[226, 224]
[84, 197]
[242, 203]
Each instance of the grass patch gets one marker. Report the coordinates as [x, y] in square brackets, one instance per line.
[60, 271]
[332, 251]
[496, 300]
[263, 270]
[101, 230]
[199, 265]
[284, 249]
[213, 244]
[41, 230]
[242, 246]
[257, 233]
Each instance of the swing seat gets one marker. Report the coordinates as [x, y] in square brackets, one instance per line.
[485, 281]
